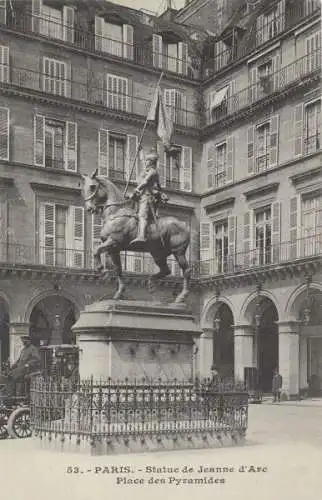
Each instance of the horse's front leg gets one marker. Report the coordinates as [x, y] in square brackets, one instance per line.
[97, 257]
[116, 259]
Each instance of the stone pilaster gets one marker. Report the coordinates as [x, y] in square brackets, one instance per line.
[244, 349]
[17, 330]
[206, 352]
[289, 357]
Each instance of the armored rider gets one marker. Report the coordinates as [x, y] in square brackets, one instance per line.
[149, 195]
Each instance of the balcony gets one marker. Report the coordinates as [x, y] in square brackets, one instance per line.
[312, 143]
[247, 262]
[280, 81]
[295, 13]
[89, 92]
[140, 53]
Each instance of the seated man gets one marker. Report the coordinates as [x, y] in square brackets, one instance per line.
[28, 362]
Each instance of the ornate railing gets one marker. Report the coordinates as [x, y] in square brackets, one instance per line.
[87, 88]
[138, 408]
[274, 83]
[294, 14]
[271, 255]
[140, 53]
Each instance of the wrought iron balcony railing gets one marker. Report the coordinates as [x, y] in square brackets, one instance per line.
[274, 254]
[138, 53]
[312, 143]
[294, 14]
[88, 92]
[142, 263]
[277, 82]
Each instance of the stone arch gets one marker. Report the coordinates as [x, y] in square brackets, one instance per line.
[295, 299]
[5, 299]
[43, 295]
[211, 308]
[248, 307]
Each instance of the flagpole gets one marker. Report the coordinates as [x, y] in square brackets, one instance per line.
[141, 138]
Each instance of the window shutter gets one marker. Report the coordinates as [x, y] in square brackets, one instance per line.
[170, 103]
[99, 33]
[250, 149]
[131, 149]
[4, 133]
[247, 238]
[68, 24]
[259, 29]
[186, 169]
[47, 238]
[294, 226]
[274, 140]
[276, 232]
[211, 165]
[276, 63]
[76, 229]
[4, 64]
[128, 41]
[253, 84]
[103, 153]
[157, 50]
[205, 247]
[3, 11]
[232, 108]
[39, 140]
[232, 233]
[230, 159]
[71, 147]
[36, 15]
[298, 130]
[182, 58]
[281, 16]
[68, 79]
[161, 164]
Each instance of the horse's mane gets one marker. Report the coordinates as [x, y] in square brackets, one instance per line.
[114, 194]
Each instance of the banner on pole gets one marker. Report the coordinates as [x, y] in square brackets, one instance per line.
[159, 114]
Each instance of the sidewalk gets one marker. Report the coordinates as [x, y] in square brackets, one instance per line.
[308, 402]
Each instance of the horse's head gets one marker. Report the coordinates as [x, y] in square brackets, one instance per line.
[94, 193]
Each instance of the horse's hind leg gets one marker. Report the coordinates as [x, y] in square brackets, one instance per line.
[116, 259]
[161, 261]
[184, 265]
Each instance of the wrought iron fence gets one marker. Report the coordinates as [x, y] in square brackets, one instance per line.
[138, 408]
[276, 82]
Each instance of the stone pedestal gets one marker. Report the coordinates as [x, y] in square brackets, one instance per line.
[289, 358]
[136, 339]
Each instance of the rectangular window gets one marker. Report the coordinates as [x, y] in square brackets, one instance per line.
[55, 77]
[262, 147]
[51, 22]
[175, 102]
[171, 54]
[265, 72]
[54, 144]
[114, 39]
[61, 235]
[311, 225]
[263, 236]
[311, 6]
[117, 157]
[117, 93]
[312, 127]
[221, 247]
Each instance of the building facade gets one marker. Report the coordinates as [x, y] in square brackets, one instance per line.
[76, 82]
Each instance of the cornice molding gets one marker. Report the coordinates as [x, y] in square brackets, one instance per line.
[261, 191]
[42, 186]
[219, 205]
[306, 176]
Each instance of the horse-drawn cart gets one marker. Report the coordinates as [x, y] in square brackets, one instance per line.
[59, 361]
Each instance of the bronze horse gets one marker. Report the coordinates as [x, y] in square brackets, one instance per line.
[119, 227]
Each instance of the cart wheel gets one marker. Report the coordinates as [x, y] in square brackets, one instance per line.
[19, 423]
[3, 424]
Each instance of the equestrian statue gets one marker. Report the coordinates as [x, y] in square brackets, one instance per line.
[133, 224]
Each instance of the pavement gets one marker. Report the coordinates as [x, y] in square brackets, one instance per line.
[281, 460]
